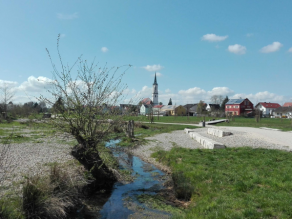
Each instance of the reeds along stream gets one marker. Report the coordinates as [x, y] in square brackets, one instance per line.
[123, 202]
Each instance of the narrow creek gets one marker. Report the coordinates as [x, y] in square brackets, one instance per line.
[147, 180]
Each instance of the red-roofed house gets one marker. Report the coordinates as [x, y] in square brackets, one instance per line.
[287, 104]
[267, 108]
[157, 109]
[146, 101]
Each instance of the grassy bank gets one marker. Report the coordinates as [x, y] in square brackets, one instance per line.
[232, 183]
[282, 124]
[143, 130]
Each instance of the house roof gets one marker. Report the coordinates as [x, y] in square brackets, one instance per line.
[269, 105]
[287, 104]
[188, 106]
[158, 106]
[235, 101]
[168, 107]
[146, 100]
[282, 109]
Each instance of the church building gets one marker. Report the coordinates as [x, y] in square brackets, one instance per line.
[155, 92]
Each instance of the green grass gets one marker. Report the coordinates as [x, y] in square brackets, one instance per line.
[148, 131]
[282, 124]
[234, 182]
[170, 119]
[14, 132]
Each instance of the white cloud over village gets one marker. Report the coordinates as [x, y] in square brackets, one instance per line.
[104, 49]
[275, 46]
[195, 94]
[33, 87]
[237, 49]
[153, 67]
[213, 37]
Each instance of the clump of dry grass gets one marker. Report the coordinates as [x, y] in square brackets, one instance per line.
[53, 196]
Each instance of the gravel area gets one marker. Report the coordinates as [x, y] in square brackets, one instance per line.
[31, 158]
[241, 137]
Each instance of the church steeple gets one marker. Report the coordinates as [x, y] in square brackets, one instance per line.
[155, 80]
[155, 92]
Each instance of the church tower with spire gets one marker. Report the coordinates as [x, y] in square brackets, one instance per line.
[155, 92]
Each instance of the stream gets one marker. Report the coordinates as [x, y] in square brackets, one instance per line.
[148, 180]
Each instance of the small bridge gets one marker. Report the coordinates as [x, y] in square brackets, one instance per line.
[213, 122]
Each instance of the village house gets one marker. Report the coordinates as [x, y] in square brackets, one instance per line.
[172, 110]
[238, 107]
[287, 104]
[283, 112]
[157, 110]
[212, 107]
[145, 109]
[267, 108]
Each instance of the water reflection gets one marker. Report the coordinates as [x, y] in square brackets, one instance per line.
[147, 180]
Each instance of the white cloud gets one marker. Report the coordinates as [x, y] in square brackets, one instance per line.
[34, 84]
[290, 50]
[158, 74]
[264, 96]
[249, 34]
[153, 67]
[104, 49]
[237, 49]
[195, 94]
[224, 91]
[67, 16]
[213, 37]
[8, 83]
[275, 46]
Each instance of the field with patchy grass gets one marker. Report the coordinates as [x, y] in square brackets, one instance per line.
[282, 124]
[231, 183]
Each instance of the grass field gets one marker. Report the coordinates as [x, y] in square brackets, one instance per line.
[233, 183]
[282, 124]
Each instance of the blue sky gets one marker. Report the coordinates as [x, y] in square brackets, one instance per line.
[199, 48]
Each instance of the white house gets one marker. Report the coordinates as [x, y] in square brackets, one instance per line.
[267, 108]
[145, 109]
[283, 112]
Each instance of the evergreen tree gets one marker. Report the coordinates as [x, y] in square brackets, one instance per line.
[170, 102]
[222, 107]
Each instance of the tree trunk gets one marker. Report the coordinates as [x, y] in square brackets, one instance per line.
[129, 129]
[104, 178]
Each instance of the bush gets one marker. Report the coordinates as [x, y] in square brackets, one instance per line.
[182, 186]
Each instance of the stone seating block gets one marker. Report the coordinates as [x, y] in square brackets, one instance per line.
[218, 132]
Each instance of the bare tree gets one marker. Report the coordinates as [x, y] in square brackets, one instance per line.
[86, 109]
[7, 95]
[217, 99]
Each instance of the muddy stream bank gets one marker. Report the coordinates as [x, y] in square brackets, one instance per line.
[127, 198]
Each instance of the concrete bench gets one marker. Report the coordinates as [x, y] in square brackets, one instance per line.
[218, 132]
[206, 142]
